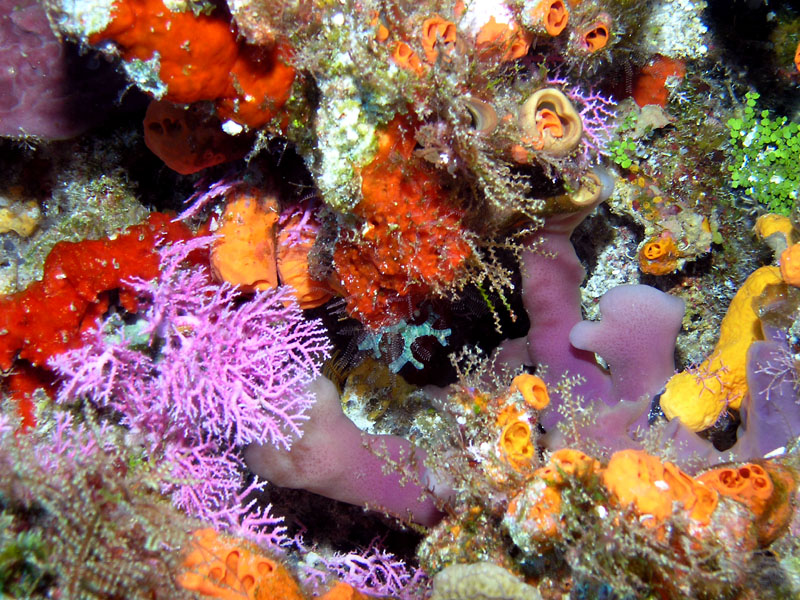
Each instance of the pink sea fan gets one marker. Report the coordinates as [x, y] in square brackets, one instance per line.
[200, 373]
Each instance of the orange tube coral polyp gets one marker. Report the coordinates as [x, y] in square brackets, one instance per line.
[437, 29]
[405, 58]
[381, 31]
[659, 257]
[505, 40]
[548, 123]
[515, 442]
[570, 463]
[533, 390]
[553, 15]
[597, 35]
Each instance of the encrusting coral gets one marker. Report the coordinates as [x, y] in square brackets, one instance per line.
[480, 581]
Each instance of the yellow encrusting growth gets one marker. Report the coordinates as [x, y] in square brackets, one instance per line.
[771, 223]
[21, 218]
[698, 396]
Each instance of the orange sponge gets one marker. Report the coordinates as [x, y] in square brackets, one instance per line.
[245, 252]
[650, 486]
[200, 58]
[187, 140]
[231, 569]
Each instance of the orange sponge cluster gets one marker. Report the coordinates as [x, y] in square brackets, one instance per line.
[764, 488]
[231, 569]
[227, 568]
[411, 241]
[200, 58]
[256, 252]
[654, 490]
[534, 513]
[651, 487]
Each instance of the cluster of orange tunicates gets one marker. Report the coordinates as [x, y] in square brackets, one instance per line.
[752, 502]
[497, 37]
[512, 416]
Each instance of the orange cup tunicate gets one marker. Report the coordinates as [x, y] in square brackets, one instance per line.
[533, 390]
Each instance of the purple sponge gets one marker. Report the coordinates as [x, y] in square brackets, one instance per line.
[46, 89]
[334, 458]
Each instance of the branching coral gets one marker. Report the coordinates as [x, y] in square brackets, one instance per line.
[179, 379]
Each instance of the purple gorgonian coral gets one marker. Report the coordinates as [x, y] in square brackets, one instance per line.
[198, 373]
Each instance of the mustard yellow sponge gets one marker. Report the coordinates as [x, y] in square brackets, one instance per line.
[22, 218]
[697, 396]
[771, 223]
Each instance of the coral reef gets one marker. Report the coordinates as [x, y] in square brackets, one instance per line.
[516, 280]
